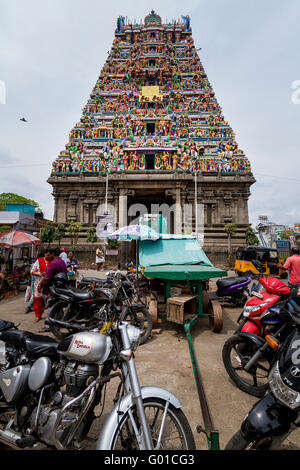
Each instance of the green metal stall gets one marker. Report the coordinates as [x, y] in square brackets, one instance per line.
[180, 261]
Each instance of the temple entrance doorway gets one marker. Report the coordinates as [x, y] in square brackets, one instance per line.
[152, 202]
[150, 161]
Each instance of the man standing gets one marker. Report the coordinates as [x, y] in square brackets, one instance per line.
[57, 265]
[292, 264]
[63, 255]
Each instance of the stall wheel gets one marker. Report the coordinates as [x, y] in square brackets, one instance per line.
[215, 315]
[205, 301]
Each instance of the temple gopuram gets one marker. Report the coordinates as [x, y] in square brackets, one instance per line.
[152, 134]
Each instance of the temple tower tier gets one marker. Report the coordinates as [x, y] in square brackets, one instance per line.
[152, 139]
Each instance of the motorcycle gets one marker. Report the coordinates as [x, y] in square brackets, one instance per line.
[50, 392]
[247, 369]
[70, 308]
[247, 357]
[136, 290]
[277, 414]
[233, 290]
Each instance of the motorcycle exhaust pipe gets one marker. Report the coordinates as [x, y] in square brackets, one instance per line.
[15, 440]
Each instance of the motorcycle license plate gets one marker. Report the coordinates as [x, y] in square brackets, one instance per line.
[257, 294]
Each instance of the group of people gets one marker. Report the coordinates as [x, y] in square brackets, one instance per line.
[48, 263]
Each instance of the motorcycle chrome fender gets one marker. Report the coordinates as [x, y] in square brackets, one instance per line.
[108, 431]
[258, 342]
[268, 417]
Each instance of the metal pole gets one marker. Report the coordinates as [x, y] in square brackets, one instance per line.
[106, 193]
[196, 204]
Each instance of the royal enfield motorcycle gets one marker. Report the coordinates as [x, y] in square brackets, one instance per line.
[71, 308]
[51, 392]
[277, 414]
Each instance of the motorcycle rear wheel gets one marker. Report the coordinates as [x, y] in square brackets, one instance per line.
[58, 313]
[177, 433]
[236, 353]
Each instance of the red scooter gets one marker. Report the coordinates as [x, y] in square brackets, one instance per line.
[270, 291]
[249, 370]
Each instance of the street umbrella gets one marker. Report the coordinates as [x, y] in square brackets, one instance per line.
[15, 238]
[135, 232]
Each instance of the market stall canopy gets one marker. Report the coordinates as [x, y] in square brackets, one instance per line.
[134, 232]
[15, 238]
[176, 258]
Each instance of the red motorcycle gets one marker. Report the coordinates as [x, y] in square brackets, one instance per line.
[245, 366]
[270, 291]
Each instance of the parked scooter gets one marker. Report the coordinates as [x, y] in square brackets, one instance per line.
[247, 357]
[277, 414]
[50, 391]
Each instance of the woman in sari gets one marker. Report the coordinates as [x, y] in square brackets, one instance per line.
[38, 270]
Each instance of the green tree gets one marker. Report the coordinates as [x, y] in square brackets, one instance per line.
[230, 230]
[48, 233]
[91, 236]
[286, 234]
[16, 198]
[251, 238]
[60, 232]
[5, 228]
[73, 230]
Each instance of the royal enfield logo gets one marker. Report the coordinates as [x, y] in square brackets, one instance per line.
[7, 382]
[81, 347]
[295, 371]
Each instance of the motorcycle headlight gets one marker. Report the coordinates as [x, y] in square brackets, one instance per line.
[134, 335]
[289, 397]
[252, 308]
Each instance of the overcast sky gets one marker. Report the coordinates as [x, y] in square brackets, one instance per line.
[52, 51]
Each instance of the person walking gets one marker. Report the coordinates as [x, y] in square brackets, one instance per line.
[57, 265]
[38, 270]
[99, 258]
[292, 264]
[72, 267]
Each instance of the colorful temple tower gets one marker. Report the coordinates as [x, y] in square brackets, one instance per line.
[152, 135]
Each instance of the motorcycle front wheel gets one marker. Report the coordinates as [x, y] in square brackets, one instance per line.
[176, 435]
[236, 353]
[237, 442]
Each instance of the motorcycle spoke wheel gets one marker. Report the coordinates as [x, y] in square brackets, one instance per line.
[176, 435]
[236, 354]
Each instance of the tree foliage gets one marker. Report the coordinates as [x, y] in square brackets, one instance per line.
[60, 231]
[286, 234]
[73, 230]
[91, 236]
[48, 233]
[251, 238]
[15, 198]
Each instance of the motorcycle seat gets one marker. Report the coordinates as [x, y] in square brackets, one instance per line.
[35, 345]
[223, 284]
[74, 293]
[90, 280]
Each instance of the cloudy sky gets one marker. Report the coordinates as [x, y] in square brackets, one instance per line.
[52, 51]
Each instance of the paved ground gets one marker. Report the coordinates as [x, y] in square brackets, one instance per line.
[165, 361]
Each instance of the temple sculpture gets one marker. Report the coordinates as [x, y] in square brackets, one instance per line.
[153, 133]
